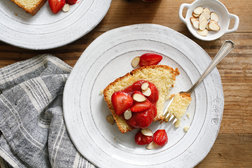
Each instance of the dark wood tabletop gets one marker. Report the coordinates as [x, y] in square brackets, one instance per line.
[233, 147]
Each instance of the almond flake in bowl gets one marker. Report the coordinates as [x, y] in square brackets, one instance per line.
[203, 20]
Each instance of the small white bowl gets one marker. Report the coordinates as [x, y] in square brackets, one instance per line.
[214, 6]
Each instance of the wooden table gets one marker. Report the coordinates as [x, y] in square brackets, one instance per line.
[233, 147]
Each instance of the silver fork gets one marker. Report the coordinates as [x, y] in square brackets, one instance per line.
[224, 50]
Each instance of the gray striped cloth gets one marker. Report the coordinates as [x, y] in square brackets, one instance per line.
[33, 132]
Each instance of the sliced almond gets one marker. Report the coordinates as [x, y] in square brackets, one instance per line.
[127, 114]
[147, 132]
[66, 8]
[152, 145]
[188, 115]
[198, 10]
[214, 16]
[110, 119]
[207, 27]
[135, 62]
[202, 17]
[194, 22]
[213, 25]
[206, 13]
[147, 92]
[203, 32]
[145, 86]
[202, 23]
[138, 97]
[195, 15]
[177, 124]
[186, 128]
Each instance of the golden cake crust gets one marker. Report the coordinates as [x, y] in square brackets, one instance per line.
[30, 9]
[162, 76]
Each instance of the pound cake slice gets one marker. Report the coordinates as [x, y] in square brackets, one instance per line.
[162, 76]
[30, 6]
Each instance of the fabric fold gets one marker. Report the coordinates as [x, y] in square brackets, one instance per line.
[31, 115]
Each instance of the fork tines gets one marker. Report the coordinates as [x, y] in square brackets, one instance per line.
[169, 117]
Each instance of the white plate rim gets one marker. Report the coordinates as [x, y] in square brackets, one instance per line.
[219, 110]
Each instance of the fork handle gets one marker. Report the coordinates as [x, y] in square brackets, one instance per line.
[224, 50]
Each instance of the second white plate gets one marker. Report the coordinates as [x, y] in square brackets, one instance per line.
[46, 30]
[108, 58]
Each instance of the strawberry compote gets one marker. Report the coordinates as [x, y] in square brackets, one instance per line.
[143, 107]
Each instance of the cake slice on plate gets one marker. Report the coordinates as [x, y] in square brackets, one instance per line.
[161, 76]
[30, 6]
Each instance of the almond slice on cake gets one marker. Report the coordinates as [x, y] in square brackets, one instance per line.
[162, 76]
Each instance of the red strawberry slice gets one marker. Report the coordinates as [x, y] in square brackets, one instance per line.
[141, 106]
[134, 87]
[160, 137]
[154, 93]
[137, 85]
[141, 139]
[154, 110]
[142, 119]
[121, 101]
[149, 59]
[56, 5]
[71, 2]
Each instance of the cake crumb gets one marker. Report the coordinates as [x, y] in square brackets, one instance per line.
[186, 128]
[101, 93]
[188, 115]
[177, 124]
[152, 145]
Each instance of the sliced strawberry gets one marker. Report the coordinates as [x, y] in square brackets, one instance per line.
[142, 119]
[141, 139]
[56, 5]
[71, 2]
[121, 101]
[154, 93]
[134, 87]
[149, 59]
[154, 110]
[160, 137]
[141, 106]
[137, 85]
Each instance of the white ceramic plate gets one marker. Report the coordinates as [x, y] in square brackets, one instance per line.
[46, 30]
[108, 58]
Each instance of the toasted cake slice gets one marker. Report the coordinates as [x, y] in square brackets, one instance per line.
[161, 75]
[30, 6]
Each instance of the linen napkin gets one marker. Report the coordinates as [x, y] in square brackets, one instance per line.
[33, 132]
